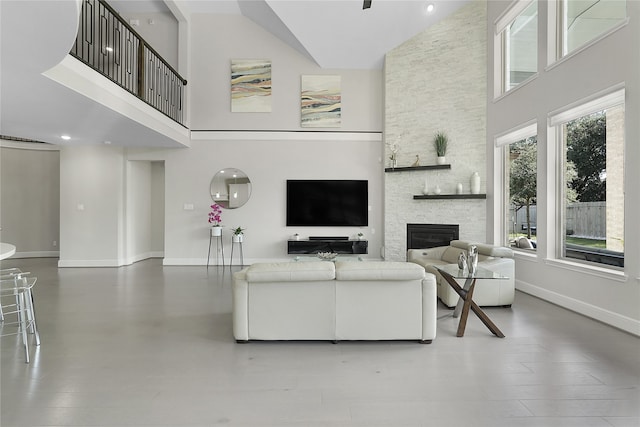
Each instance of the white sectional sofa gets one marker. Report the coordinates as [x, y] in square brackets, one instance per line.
[487, 292]
[368, 300]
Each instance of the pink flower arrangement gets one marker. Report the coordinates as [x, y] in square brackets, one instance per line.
[215, 217]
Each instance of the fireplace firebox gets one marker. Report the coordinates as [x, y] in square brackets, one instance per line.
[422, 236]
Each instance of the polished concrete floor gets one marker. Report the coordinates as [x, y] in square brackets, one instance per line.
[147, 345]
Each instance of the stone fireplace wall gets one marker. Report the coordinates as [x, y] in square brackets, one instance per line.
[437, 81]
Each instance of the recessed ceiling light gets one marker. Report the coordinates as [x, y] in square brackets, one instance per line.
[107, 142]
[65, 137]
[430, 8]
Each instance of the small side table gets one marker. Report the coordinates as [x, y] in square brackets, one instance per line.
[239, 243]
[219, 244]
[450, 273]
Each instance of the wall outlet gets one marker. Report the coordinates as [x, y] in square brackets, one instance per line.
[55, 243]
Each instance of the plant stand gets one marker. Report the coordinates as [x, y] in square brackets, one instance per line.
[239, 243]
[219, 244]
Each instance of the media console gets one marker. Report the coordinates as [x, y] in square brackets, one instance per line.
[327, 245]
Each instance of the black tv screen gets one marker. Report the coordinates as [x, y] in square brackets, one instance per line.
[327, 203]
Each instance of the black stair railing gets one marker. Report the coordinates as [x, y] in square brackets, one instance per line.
[109, 45]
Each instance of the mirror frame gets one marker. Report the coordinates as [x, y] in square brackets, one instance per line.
[230, 188]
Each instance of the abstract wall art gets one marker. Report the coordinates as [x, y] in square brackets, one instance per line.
[321, 101]
[250, 86]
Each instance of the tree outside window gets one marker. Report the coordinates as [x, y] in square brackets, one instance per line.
[523, 171]
[594, 187]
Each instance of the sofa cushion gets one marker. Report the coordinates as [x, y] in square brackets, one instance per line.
[494, 251]
[291, 271]
[450, 255]
[378, 270]
[485, 249]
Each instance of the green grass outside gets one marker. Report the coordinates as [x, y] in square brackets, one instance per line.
[591, 243]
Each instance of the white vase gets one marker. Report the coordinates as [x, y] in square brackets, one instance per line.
[475, 183]
[237, 238]
[441, 160]
[425, 189]
[459, 188]
[216, 231]
[437, 190]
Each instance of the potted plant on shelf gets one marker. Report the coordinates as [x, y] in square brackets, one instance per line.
[238, 235]
[215, 219]
[360, 236]
[440, 141]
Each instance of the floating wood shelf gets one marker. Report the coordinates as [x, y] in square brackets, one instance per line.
[449, 196]
[417, 168]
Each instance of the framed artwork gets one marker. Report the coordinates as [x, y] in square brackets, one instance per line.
[250, 86]
[320, 101]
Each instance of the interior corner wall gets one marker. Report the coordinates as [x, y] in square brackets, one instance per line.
[437, 81]
[92, 221]
[30, 198]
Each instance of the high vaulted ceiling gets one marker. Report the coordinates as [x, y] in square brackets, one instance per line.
[37, 34]
[333, 33]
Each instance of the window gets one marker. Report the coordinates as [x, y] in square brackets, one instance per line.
[585, 20]
[517, 35]
[520, 187]
[592, 176]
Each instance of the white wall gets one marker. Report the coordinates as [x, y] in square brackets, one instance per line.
[92, 219]
[30, 198]
[157, 209]
[612, 298]
[269, 160]
[160, 31]
[437, 82]
[138, 211]
[217, 39]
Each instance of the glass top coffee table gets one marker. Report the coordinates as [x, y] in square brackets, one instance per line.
[451, 272]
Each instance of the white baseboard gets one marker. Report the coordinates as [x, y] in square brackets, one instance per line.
[37, 254]
[616, 320]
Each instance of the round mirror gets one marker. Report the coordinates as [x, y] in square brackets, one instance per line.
[230, 188]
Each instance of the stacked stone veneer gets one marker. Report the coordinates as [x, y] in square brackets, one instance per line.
[615, 178]
[437, 81]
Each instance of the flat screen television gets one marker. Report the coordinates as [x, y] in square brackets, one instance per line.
[330, 203]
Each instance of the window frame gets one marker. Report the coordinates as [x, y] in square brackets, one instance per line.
[612, 97]
[501, 45]
[556, 34]
[502, 143]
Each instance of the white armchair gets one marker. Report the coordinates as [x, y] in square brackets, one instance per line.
[487, 292]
